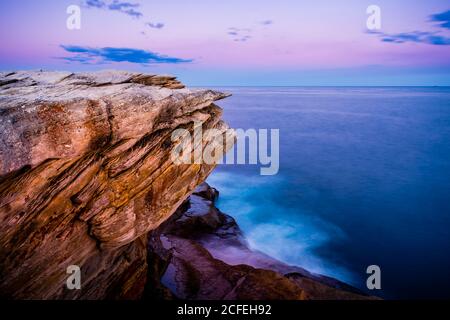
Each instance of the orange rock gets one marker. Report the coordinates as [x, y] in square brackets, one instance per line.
[85, 173]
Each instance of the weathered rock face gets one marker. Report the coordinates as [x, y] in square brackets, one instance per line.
[85, 173]
[200, 253]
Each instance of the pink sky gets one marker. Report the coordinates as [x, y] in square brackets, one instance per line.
[302, 35]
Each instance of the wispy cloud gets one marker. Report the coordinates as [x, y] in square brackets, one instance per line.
[244, 34]
[95, 4]
[243, 38]
[89, 55]
[157, 25]
[433, 38]
[239, 34]
[442, 18]
[415, 36]
[266, 22]
[127, 8]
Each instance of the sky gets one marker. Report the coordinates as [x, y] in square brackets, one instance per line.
[235, 43]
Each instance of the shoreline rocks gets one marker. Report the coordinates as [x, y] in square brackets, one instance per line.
[203, 254]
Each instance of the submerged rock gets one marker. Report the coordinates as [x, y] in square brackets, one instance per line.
[203, 254]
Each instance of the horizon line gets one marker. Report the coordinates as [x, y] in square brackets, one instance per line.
[324, 86]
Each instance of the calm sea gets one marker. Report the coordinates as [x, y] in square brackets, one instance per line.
[364, 179]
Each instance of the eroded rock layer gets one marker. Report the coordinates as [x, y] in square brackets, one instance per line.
[85, 173]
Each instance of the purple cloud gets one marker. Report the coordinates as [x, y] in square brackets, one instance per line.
[266, 22]
[432, 38]
[158, 25]
[239, 34]
[127, 8]
[442, 18]
[89, 55]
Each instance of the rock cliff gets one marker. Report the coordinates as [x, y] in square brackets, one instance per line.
[85, 173]
[86, 179]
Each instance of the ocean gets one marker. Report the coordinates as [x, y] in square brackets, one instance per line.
[364, 179]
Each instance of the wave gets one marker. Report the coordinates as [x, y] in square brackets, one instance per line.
[291, 235]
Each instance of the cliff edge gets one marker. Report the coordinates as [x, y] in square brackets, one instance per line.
[85, 173]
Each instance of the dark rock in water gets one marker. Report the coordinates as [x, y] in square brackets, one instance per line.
[205, 256]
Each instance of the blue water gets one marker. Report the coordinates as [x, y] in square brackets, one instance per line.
[364, 179]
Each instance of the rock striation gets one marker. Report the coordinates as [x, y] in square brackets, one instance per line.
[85, 173]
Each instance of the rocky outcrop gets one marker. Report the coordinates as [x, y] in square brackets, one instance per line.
[85, 173]
[201, 253]
[87, 179]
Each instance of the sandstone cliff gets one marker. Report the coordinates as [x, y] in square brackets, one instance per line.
[86, 179]
[85, 173]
